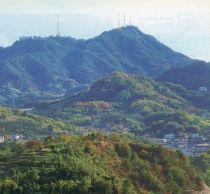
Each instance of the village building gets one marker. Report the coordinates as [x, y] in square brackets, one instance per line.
[200, 148]
[203, 89]
[16, 137]
[1, 139]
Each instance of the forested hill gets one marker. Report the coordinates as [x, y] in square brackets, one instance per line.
[135, 103]
[95, 164]
[192, 76]
[30, 126]
[38, 68]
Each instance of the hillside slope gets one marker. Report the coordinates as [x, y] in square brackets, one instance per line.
[192, 76]
[95, 164]
[202, 163]
[134, 103]
[126, 49]
[46, 68]
[30, 126]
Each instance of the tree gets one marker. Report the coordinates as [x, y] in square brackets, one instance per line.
[123, 150]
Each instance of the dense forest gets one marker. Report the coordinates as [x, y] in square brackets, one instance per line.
[38, 69]
[202, 163]
[134, 103]
[95, 164]
[191, 76]
[14, 121]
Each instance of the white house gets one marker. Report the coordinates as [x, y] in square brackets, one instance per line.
[169, 137]
[1, 139]
[203, 89]
[199, 148]
[16, 137]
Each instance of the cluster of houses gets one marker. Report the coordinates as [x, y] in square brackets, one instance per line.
[12, 137]
[193, 144]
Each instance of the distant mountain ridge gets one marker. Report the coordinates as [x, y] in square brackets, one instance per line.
[192, 76]
[45, 68]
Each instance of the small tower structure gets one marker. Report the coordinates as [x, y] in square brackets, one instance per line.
[130, 21]
[118, 21]
[124, 20]
[58, 26]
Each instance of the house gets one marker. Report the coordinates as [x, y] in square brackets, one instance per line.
[195, 135]
[1, 139]
[203, 89]
[197, 139]
[160, 141]
[169, 137]
[16, 137]
[200, 148]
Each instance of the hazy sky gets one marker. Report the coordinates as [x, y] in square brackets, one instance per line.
[184, 25]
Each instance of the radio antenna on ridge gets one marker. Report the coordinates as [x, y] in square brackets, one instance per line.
[124, 20]
[130, 21]
[58, 26]
[118, 20]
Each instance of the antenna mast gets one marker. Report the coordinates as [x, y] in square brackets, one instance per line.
[118, 20]
[124, 20]
[58, 26]
[130, 21]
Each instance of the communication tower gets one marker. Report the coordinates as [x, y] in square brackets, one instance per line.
[58, 26]
[118, 21]
[124, 20]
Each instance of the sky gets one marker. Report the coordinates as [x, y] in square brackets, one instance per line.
[183, 25]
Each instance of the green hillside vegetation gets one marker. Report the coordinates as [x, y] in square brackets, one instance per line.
[39, 69]
[202, 163]
[95, 164]
[191, 76]
[138, 104]
[31, 69]
[18, 122]
[201, 100]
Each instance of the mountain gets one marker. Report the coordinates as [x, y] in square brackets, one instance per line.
[36, 69]
[31, 69]
[133, 103]
[95, 164]
[126, 49]
[191, 76]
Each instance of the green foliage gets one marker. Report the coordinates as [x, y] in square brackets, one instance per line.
[42, 69]
[134, 103]
[16, 121]
[191, 76]
[96, 164]
[123, 150]
[202, 163]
